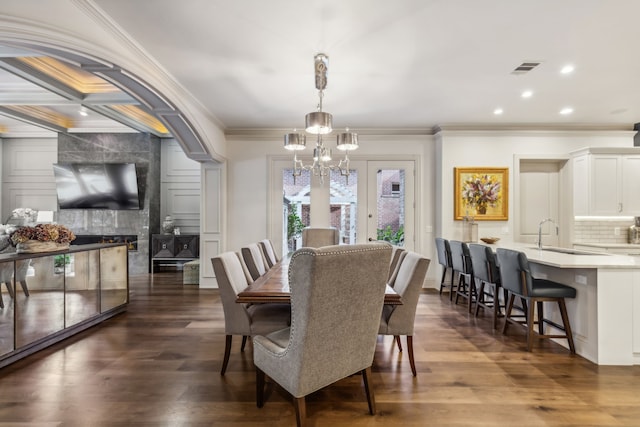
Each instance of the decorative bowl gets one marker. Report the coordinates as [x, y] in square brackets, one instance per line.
[490, 240]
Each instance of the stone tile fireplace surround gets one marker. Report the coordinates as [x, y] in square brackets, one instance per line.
[144, 151]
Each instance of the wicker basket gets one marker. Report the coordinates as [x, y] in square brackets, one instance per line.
[35, 246]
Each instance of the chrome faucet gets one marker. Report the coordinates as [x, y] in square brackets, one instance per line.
[540, 230]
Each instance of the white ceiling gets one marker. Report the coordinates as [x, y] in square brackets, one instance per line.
[396, 64]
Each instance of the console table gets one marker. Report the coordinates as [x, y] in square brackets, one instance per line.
[61, 293]
[169, 249]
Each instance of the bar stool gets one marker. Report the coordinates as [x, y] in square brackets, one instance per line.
[444, 259]
[517, 280]
[486, 271]
[461, 262]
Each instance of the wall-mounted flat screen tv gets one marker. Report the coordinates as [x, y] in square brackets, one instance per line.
[96, 185]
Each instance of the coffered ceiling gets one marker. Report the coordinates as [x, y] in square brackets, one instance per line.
[405, 64]
[41, 95]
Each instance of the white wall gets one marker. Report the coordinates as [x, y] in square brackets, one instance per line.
[27, 176]
[249, 171]
[180, 187]
[499, 149]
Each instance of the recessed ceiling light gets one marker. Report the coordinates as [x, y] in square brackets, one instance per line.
[83, 112]
[498, 111]
[527, 94]
[567, 69]
[566, 111]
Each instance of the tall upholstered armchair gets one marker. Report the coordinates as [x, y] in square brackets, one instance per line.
[337, 293]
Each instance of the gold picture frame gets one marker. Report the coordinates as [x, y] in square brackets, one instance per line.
[481, 193]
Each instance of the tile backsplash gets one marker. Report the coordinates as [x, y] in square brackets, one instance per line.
[591, 230]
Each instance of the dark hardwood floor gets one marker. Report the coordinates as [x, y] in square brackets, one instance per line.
[158, 365]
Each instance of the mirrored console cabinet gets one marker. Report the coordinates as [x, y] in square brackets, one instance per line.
[47, 297]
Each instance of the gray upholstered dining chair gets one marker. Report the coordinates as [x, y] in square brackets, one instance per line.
[254, 260]
[486, 271]
[269, 252]
[517, 280]
[397, 254]
[398, 320]
[242, 319]
[461, 263]
[443, 249]
[337, 293]
[318, 237]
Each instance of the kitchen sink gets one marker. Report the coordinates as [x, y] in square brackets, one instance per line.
[567, 251]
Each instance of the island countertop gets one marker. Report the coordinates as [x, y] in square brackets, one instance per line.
[550, 256]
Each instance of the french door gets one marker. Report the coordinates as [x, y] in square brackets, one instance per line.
[376, 202]
[390, 202]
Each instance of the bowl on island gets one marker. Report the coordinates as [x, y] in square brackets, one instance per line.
[490, 240]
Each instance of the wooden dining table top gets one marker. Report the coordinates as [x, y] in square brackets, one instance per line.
[273, 287]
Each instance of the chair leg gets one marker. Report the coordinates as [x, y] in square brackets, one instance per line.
[412, 361]
[259, 388]
[244, 342]
[9, 289]
[480, 299]
[301, 411]
[368, 389]
[496, 305]
[530, 323]
[453, 276]
[397, 339]
[444, 275]
[507, 315]
[472, 290]
[540, 318]
[1, 301]
[227, 352]
[462, 286]
[23, 283]
[567, 326]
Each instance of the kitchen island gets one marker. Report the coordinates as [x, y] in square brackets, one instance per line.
[605, 315]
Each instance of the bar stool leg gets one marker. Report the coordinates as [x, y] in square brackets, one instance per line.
[567, 325]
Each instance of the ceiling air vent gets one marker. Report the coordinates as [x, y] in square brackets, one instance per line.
[525, 67]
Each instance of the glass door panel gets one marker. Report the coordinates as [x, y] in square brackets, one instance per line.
[295, 208]
[343, 203]
[391, 202]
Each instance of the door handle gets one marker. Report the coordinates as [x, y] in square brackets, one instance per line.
[371, 239]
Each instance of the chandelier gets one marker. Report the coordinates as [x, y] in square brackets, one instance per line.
[318, 123]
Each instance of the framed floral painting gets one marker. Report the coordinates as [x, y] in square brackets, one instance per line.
[481, 193]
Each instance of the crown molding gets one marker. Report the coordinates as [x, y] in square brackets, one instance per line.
[533, 128]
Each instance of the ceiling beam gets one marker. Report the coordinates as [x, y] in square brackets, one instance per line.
[133, 123]
[30, 119]
[39, 78]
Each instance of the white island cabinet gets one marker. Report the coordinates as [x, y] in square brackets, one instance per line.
[605, 315]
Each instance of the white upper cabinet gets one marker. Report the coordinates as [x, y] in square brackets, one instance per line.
[606, 181]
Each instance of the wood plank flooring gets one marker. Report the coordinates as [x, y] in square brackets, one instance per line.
[158, 365]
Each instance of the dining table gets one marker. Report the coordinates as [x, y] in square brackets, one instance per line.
[273, 287]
